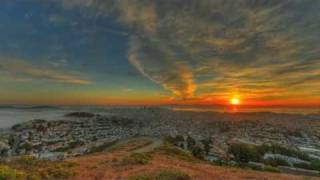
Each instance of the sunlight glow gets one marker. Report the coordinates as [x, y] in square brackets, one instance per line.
[235, 101]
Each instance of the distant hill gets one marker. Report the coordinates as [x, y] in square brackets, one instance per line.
[25, 107]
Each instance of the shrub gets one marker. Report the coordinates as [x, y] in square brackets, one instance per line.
[276, 162]
[59, 172]
[7, 173]
[271, 169]
[33, 177]
[26, 161]
[198, 152]
[35, 169]
[179, 138]
[206, 143]
[303, 166]
[244, 153]
[314, 165]
[27, 146]
[170, 150]
[277, 149]
[191, 142]
[170, 139]
[136, 159]
[254, 167]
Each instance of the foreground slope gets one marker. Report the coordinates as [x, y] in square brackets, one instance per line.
[142, 159]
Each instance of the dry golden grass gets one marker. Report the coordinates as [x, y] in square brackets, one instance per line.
[102, 166]
[32, 169]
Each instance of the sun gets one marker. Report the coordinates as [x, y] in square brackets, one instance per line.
[235, 101]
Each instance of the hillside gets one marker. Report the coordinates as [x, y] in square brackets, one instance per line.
[134, 161]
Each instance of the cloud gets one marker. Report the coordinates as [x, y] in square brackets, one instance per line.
[206, 48]
[20, 70]
[156, 63]
[58, 63]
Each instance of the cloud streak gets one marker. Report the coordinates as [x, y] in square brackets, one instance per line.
[197, 49]
[23, 71]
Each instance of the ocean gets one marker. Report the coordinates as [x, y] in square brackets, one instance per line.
[244, 109]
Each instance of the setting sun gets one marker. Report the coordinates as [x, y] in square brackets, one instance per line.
[235, 101]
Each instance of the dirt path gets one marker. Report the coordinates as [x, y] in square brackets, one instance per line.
[154, 143]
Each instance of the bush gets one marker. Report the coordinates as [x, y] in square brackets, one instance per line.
[303, 166]
[314, 165]
[136, 159]
[26, 161]
[276, 162]
[170, 150]
[198, 152]
[244, 153]
[59, 172]
[162, 175]
[7, 173]
[254, 167]
[170, 139]
[33, 177]
[175, 140]
[27, 146]
[35, 169]
[206, 143]
[191, 142]
[277, 149]
[271, 169]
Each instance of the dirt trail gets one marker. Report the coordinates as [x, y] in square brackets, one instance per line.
[155, 142]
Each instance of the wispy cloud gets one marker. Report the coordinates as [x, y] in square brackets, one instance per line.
[23, 71]
[196, 49]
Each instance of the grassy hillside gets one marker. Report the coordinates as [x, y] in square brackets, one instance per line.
[165, 162]
[139, 159]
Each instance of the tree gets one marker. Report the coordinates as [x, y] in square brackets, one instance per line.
[198, 152]
[244, 153]
[191, 142]
[206, 144]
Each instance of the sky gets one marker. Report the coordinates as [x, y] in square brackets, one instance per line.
[104, 52]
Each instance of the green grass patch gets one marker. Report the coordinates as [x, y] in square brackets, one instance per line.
[276, 162]
[271, 169]
[32, 169]
[314, 165]
[136, 159]
[173, 151]
[8, 173]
